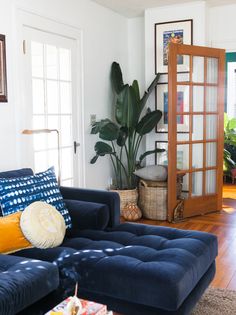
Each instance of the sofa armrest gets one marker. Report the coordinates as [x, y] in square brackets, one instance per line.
[111, 199]
[87, 215]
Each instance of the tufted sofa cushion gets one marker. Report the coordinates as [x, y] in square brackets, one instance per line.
[24, 281]
[165, 263]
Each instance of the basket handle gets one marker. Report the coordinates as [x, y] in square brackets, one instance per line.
[143, 183]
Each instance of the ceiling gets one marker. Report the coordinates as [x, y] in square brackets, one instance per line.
[133, 8]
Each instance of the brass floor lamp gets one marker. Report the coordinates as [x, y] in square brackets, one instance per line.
[38, 131]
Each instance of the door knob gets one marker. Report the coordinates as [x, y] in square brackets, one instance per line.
[76, 144]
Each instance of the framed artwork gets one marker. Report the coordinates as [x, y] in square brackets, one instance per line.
[162, 158]
[179, 32]
[3, 73]
[161, 103]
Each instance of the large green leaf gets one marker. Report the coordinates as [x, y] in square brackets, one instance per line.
[148, 122]
[232, 124]
[135, 86]
[109, 131]
[96, 126]
[157, 150]
[101, 148]
[127, 110]
[116, 77]
[226, 120]
[149, 91]
[123, 134]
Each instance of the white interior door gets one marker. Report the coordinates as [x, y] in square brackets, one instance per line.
[51, 96]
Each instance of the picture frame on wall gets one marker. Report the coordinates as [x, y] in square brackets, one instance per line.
[161, 103]
[3, 72]
[179, 32]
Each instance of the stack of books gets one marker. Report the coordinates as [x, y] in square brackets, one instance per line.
[89, 308]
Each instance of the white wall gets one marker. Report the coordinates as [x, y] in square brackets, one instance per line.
[104, 40]
[221, 27]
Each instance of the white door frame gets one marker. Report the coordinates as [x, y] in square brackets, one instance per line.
[33, 20]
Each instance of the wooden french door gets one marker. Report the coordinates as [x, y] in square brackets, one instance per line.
[195, 137]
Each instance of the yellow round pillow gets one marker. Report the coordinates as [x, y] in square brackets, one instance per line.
[43, 225]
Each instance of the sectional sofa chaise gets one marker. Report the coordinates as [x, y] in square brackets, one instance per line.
[135, 269]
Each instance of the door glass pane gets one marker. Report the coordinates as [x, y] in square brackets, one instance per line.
[197, 183]
[66, 130]
[211, 127]
[212, 70]
[65, 93]
[65, 64]
[40, 142]
[197, 155]
[52, 97]
[39, 122]
[183, 63]
[211, 154]
[67, 183]
[51, 62]
[66, 162]
[182, 99]
[198, 98]
[37, 59]
[211, 99]
[182, 157]
[53, 123]
[198, 69]
[185, 186]
[38, 96]
[211, 182]
[197, 127]
[53, 159]
[182, 123]
[183, 77]
[41, 161]
[182, 136]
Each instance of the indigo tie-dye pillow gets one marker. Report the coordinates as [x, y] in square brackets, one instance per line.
[19, 192]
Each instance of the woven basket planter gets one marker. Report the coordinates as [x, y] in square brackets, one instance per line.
[127, 197]
[153, 199]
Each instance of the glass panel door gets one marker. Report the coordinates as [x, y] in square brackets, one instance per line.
[51, 58]
[198, 158]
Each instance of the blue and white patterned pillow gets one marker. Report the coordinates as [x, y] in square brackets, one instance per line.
[19, 192]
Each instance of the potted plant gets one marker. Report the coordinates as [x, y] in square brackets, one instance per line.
[121, 138]
[229, 143]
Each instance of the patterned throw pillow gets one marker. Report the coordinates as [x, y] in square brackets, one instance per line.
[17, 193]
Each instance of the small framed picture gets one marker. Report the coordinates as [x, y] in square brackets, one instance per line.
[3, 72]
[161, 103]
[179, 32]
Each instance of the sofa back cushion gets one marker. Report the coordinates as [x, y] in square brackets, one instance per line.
[16, 193]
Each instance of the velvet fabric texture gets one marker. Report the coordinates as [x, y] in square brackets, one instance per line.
[111, 199]
[87, 215]
[23, 282]
[166, 263]
[11, 236]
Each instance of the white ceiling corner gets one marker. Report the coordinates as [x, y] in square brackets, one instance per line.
[134, 8]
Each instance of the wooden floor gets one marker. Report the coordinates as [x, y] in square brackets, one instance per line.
[223, 225]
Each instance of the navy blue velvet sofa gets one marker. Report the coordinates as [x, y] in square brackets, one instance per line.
[135, 269]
